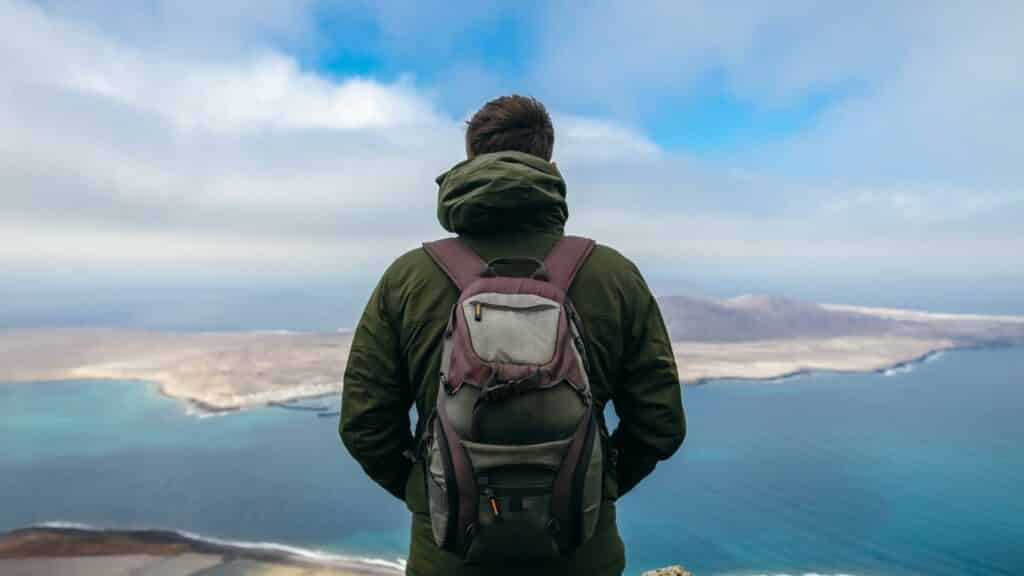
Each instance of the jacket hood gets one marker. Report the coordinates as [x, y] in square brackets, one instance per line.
[502, 192]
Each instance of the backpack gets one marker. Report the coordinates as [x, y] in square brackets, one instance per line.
[513, 455]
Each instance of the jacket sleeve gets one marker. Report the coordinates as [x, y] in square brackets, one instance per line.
[375, 400]
[647, 396]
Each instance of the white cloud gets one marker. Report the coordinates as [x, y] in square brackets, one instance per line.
[269, 92]
[798, 247]
[143, 159]
[197, 29]
[147, 162]
[595, 140]
[915, 167]
[927, 92]
[118, 156]
[909, 206]
[264, 91]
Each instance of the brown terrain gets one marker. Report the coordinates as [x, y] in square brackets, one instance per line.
[35, 551]
[748, 337]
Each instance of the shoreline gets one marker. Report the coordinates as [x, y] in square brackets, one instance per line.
[200, 409]
[221, 372]
[213, 372]
[883, 371]
[52, 540]
[204, 409]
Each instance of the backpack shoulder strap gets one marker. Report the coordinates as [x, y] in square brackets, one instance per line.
[460, 263]
[566, 259]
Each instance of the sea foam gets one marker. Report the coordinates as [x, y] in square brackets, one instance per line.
[284, 550]
[907, 367]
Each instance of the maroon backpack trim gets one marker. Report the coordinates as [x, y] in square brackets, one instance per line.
[463, 266]
[566, 259]
[462, 525]
[460, 263]
[566, 510]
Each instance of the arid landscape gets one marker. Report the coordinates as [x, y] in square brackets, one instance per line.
[748, 337]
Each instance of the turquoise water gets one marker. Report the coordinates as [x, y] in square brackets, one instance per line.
[917, 472]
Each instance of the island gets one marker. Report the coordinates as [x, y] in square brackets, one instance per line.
[749, 337]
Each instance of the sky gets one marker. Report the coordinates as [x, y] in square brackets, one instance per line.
[230, 164]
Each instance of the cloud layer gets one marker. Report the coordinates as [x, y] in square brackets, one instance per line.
[136, 145]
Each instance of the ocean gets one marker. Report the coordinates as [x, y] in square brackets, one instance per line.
[918, 471]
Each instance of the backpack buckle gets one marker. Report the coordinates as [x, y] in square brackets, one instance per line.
[554, 527]
[496, 392]
[444, 383]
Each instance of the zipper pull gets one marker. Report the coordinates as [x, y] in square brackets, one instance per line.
[491, 500]
[478, 312]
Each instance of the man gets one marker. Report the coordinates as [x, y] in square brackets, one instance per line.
[508, 199]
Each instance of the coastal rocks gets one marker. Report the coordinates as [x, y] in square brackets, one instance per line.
[670, 571]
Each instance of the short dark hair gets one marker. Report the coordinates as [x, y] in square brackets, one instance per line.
[513, 122]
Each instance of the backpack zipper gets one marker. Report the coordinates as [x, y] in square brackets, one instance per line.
[478, 308]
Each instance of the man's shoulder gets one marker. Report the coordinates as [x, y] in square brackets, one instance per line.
[413, 261]
[413, 271]
[414, 288]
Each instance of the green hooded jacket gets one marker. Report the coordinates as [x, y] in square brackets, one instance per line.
[508, 204]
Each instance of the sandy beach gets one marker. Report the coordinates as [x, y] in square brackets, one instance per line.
[702, 362]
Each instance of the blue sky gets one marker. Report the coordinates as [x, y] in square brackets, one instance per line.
[234, 151]
[706, 119]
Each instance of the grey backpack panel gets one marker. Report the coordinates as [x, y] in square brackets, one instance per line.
[514, 458]
[512, 328]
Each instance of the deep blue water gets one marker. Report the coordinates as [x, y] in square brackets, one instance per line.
[913, 473]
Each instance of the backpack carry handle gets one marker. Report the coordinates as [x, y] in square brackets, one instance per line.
[539, 273]
[463, 266]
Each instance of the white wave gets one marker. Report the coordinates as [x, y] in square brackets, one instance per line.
[910, 366]
[316, 556]
[305, 553]
[198, 412]
[258, 400]
[901, 369]
[65, 524]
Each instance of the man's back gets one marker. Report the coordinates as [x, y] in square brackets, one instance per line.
[508, 204]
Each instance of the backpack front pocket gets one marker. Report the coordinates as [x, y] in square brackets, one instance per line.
[512, 328]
